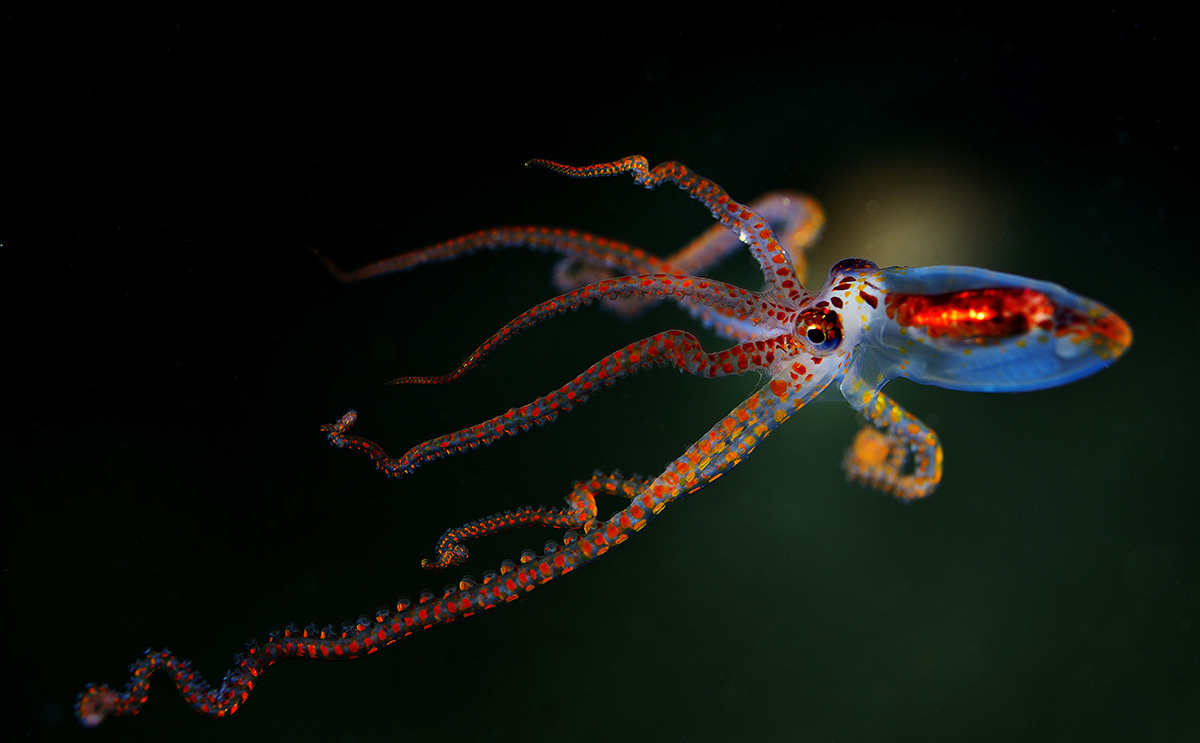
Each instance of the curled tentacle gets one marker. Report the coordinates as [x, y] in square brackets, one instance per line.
[897, 453]
[579, 513]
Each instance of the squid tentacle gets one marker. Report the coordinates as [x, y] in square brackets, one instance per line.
[588, 258]
[896, 453]
[579, 513]
[579, 245]
[705, 460]
[750, 227]
[675, 348]
[739, 302]
[796, 218]
[594, 258]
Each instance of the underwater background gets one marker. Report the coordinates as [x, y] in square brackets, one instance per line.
[175, 346]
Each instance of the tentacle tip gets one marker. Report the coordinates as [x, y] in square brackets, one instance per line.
[341, 424]
[95, 704]
[345, 277]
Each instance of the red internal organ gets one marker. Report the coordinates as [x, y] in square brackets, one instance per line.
[975, 313]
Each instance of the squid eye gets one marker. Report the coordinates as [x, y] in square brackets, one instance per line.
[822, 328]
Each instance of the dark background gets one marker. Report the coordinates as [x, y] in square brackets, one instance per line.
[172, 347]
